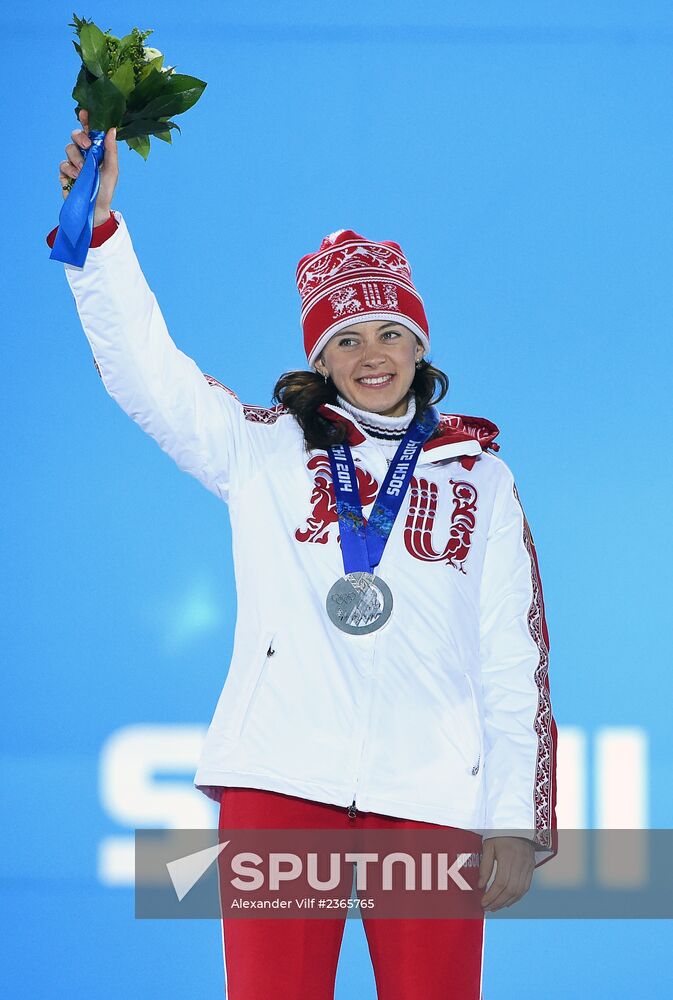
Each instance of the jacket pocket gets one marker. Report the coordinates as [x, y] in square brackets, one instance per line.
[264, 654]
[476, 742]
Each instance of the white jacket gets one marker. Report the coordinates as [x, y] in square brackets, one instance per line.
[444, 714]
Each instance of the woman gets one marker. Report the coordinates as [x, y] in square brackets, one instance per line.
[388, 671]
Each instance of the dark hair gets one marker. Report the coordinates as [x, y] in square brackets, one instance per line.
[301, 392]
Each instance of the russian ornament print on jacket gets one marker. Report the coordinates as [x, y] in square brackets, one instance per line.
[444, 715]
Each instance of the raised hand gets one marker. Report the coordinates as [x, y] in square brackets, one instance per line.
[109, 171]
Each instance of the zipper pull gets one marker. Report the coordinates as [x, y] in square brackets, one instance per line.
[475, 769]
[352, 810]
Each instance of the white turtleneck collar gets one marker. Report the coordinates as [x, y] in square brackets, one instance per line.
[387, 432]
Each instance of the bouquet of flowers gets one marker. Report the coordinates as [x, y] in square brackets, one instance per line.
[123, 84]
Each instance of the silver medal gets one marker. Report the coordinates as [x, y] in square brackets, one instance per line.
[359, 603]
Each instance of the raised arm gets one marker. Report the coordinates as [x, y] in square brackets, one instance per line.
[198, 423]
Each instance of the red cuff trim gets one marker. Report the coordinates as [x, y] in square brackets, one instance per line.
[100, 233]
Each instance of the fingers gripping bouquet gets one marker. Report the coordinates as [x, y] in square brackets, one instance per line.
[123, 85]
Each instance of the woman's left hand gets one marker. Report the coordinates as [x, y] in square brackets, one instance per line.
[515, 858]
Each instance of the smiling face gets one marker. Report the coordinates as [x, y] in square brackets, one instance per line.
[372, 365]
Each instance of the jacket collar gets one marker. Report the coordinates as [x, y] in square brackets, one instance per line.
[457, 435]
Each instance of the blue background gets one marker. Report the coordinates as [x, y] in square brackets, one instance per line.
[521, 154]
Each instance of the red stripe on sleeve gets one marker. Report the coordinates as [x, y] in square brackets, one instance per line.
[545, 723]
[98, 237]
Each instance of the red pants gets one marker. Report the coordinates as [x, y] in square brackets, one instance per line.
[296, 959]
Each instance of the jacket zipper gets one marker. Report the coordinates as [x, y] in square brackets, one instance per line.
[352, 809]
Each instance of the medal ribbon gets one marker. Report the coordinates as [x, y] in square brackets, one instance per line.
[362, 544]
[75, 222]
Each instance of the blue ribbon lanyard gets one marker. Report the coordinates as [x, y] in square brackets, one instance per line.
[362, 544]
[75, 222]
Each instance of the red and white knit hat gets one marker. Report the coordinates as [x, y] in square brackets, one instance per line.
[352, 280]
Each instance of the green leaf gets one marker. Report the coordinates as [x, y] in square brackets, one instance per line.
[141, 144]
[78, 23]
[78, 48]
[147, 90]
[94, 49]
[126, 40]
[82, 89]
[107, 104]
[166, 136]
[179, 94]
[151, 64]
[144, 126]
[123, 78]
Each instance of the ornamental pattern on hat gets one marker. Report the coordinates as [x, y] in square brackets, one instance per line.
[345, 301]
[338, 261]
[372, 294]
